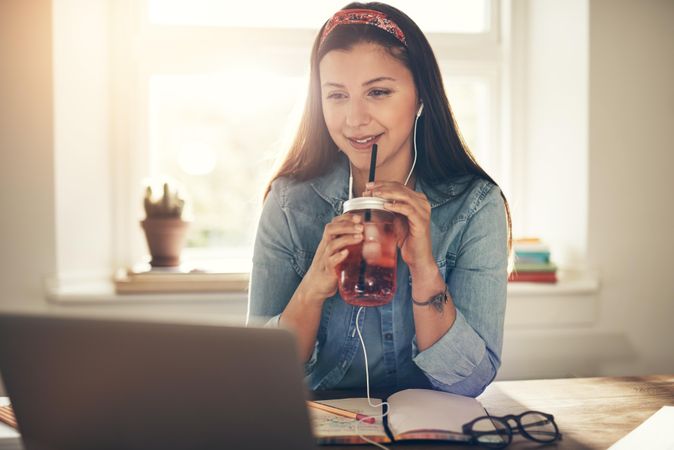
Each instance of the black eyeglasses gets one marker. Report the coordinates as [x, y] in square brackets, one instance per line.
[497, 432]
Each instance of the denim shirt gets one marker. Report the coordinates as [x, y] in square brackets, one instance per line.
[469, 243]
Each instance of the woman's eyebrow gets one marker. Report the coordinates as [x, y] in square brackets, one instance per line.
[377, 80]
[367, 83]
[330, 84]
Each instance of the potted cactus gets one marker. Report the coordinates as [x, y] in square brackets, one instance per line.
[165, 229]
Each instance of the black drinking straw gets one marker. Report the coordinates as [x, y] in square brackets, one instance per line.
[368, 215]
[373, 163]
[373, 167]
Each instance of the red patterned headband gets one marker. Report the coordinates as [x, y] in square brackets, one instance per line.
[366, 17]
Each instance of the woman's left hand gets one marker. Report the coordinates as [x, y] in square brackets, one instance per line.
[412, 222]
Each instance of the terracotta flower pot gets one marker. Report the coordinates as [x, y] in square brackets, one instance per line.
[165, 239]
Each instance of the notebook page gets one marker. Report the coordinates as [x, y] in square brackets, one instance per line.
[326, 425]
[9, 437]
[423, 409]
[7, 434]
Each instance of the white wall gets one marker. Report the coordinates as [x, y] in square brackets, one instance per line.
[27, 236]
[82, 120]
[631, 234]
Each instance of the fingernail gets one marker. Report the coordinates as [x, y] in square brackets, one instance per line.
[359, 227]
[369, 184]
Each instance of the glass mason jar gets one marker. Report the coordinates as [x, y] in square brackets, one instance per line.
[367, 277]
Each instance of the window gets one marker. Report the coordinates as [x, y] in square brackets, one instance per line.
[218, 91]
[443, 16]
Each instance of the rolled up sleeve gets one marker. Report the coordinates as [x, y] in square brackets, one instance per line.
[467, 357]
[274, 322]
[273, 280]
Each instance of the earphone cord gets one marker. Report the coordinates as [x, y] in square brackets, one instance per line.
[414, 142]
[360, 336]
[367, 381]
[409, 175]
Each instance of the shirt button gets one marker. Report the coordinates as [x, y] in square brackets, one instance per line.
[388, 336]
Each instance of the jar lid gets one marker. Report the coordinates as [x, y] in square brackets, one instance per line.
[365, 203]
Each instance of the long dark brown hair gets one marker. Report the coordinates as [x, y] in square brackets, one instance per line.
[442, 153]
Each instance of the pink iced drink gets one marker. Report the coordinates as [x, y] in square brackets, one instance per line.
[367, 277]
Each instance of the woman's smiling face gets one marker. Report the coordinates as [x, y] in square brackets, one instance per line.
[368, 97]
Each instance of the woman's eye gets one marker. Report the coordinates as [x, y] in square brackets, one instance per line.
[336, 95]
[379, 92]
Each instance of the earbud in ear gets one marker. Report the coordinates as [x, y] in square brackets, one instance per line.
[421, 109]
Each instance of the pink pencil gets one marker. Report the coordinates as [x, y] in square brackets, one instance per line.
[341, 412]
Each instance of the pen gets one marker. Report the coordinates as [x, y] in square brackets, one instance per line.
[341, 412]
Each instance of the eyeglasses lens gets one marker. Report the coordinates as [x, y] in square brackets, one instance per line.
[492, 433]
[538, 427]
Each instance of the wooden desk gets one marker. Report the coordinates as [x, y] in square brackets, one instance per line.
[592, 413]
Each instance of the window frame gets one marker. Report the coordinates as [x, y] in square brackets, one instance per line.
[141, 48]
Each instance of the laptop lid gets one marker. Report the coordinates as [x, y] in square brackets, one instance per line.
[78, 383]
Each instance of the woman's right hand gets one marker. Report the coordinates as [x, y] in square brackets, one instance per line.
[320, 282]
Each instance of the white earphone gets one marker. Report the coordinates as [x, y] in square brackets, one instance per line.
[421, 109]
[360, 336]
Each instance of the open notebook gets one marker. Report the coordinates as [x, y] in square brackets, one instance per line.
[413, 414]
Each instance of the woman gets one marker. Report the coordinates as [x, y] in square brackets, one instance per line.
[374, 79]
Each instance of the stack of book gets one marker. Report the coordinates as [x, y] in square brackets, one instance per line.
[143, 279]
[532, 262]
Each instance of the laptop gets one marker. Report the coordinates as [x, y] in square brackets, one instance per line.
[82, 383]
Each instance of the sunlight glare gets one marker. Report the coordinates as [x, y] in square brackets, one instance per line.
[433, 16]
[197, 157]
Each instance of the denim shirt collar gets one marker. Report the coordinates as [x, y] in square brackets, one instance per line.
[333, 187]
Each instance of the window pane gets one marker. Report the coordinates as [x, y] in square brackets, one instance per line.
[433, 16]
[212, 134]
[469, 99]
[206, 133]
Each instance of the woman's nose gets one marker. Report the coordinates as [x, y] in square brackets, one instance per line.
[357, 114]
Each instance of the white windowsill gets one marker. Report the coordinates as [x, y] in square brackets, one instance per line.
[102, 291]
[96, 296]
[570, 302]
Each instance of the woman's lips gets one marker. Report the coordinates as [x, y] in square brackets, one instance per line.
[365, 142]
